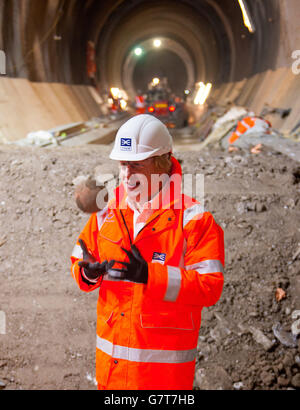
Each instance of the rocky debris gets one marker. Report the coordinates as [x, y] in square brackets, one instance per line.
[213, 378]
[295, 382]
[238, 386]
[295, 314]
[296, 328]
[288, 339]
[260, 338]
[280, 294]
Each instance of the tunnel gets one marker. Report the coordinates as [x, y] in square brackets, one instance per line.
[59, 61]
[200, 41]
[46, 41]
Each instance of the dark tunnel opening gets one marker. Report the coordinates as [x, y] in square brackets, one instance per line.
[161, 64]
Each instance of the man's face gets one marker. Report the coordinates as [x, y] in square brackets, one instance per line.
[136, 178]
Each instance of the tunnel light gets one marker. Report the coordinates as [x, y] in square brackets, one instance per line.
[202, 93]
[246, 16]
[123, 104]
[123, 95]
[115, 92]
[155, 81]
[138, 51]
[157, 43]
[186, 92]
[118, 94]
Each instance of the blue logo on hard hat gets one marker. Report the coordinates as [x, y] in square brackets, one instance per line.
[126, 144]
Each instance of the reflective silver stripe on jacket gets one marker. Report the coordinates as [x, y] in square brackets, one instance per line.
[174, 283]
[73, 271]
[77, 252]
[145, 355]
[194, 211]
[208, 266]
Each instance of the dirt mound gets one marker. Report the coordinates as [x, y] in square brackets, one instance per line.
[245, 340]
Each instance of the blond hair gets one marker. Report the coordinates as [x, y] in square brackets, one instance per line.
[163, 163]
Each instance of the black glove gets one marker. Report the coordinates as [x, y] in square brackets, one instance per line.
[137, 268]
[92, 269]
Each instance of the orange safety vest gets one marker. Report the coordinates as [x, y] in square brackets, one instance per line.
[241, 128]
[140, 104]
[147, 334]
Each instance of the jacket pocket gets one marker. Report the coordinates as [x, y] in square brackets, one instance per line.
[110, 232]
[167, 320]
[106, 318]
[116, 239]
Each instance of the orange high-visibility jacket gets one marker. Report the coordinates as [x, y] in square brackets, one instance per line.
[147, 334]
[140, 104]
[241, 128]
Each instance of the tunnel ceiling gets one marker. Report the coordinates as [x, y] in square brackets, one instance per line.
[202, 40]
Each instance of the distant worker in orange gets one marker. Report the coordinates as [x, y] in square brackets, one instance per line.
[245, 124]
[91, 62]
[140, 103]
[157, 258]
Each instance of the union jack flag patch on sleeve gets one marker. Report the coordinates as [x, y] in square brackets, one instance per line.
[158, 258]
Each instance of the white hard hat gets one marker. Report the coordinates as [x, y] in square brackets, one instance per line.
[141, 137]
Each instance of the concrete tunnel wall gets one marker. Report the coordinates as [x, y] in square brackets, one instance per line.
[211, 32]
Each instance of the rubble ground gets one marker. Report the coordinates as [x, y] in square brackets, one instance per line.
[246, 340]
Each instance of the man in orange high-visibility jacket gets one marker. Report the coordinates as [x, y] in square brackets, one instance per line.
[140, 104]
[157, 258]
[245, 124]
[242, 127]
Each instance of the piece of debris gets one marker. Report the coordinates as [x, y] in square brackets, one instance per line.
[238, 385]
[213, 378]
[79, 179]
[285, 338]
[280, 294]
[259, 207]
[2, 242]
[295, 314]
[296, 328]
[260, 338]
[296, 254]
[224, 125]
[232, 149]
[256, 149]
[283, 112]
[91, 379]
[40, 138]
